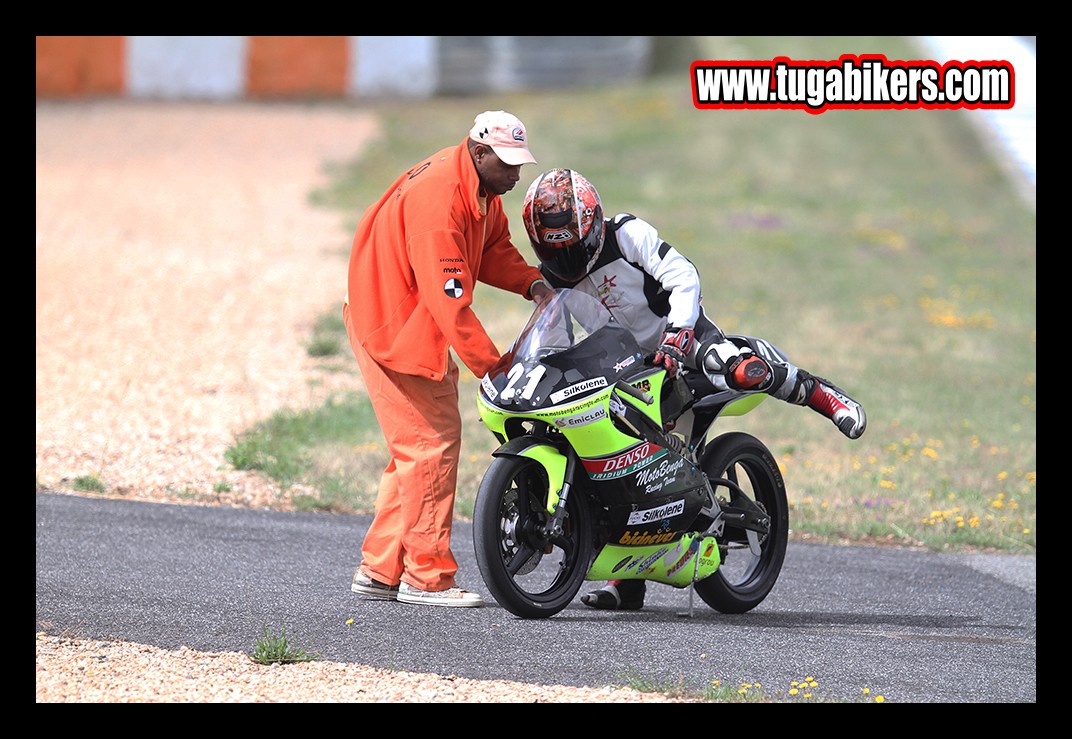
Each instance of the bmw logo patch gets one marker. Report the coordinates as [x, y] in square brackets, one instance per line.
[453, 288]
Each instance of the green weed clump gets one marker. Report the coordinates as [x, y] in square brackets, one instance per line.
[273, 649]
[89, 484]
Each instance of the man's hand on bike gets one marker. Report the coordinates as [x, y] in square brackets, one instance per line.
[673, 349]
[540, 292]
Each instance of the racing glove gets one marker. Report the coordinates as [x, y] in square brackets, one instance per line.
[673, 348]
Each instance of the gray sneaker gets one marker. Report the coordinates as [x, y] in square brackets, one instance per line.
[365, 585]
[451, 597]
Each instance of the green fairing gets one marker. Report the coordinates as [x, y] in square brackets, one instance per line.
[654, 388]
[551, 459]
[743, 405]
[492, 417]
[593, 439]
[674, 563]
[555, 464]
[597, 439]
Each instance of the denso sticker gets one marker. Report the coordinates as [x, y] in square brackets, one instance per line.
[579, 389]
[628, 462]
[656, 514]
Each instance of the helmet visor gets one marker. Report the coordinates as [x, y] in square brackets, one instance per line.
[570, 259]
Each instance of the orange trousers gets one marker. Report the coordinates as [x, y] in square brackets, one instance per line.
[409, 539]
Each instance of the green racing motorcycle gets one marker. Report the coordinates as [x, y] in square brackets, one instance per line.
[606, 471]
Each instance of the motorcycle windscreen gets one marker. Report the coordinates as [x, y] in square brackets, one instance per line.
[608, 353]
[537, 374]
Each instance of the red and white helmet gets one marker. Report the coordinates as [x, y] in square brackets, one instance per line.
[564, 219]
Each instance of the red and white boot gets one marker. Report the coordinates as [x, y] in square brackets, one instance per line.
[831, 401]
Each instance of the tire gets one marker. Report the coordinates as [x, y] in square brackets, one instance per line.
[738, 464]
[528, 575]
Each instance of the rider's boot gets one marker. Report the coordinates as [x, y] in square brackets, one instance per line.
[831, 401]
[617, 595]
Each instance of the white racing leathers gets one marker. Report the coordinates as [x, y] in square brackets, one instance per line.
[636, 262]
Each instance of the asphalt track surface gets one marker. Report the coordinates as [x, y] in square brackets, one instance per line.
[913, 626]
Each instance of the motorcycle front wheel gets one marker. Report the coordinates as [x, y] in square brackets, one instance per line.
[528, 574]
[745, 478]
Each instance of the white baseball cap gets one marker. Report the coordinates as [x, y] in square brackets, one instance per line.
[505, 134]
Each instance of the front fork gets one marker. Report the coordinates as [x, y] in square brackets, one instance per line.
[559, 461]
[556, 503]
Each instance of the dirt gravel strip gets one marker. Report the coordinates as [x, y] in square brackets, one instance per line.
[179, 271]
[89, 671]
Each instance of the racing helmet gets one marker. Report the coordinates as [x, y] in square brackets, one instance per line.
[564, 219]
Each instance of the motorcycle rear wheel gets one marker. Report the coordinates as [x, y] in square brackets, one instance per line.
[528, 575]
[744, 578]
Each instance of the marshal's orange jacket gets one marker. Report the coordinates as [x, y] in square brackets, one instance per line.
[416, 257]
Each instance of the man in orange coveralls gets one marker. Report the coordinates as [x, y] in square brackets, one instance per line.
[416, 257]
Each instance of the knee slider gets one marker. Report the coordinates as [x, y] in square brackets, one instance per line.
[748, 372]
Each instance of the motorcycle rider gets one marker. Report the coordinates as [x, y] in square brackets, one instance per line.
[654, 291]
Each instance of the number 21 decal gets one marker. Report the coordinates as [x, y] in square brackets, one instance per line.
[516, 373]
